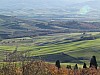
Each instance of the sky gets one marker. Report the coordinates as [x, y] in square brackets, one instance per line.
[77, 1]
[37, 3]
[71, 1]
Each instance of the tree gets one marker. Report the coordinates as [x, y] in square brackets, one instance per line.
[58, 64]
[76, 67]
[93, 62]
[84, 66]
[68, 67]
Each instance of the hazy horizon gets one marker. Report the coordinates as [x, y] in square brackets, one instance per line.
[37, 3]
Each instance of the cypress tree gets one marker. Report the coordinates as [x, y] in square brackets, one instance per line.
[76, 67]
[84, 66]
[93, 62]
[58, 64]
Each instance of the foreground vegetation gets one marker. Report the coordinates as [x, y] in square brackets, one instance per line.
[42, 68]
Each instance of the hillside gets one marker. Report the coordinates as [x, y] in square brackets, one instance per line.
[57, 56]
[11, 26]
[68, 48]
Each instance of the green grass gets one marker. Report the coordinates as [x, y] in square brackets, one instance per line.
[85, 48]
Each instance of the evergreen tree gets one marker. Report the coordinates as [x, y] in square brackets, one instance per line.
[84, 66]
[76, 67]
[58, 64]
[93, 62]
[68, 67]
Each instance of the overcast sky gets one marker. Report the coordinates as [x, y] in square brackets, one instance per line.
[44, 0]
[77, 0]
[37, 3]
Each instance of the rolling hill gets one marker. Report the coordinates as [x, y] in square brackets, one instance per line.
[11, 26]
[68, 48]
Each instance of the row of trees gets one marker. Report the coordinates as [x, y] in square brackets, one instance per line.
[93, 63]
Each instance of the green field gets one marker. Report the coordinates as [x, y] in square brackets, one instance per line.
[54, 45]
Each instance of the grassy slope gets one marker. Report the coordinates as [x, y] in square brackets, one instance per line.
[85, 48]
